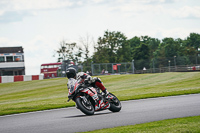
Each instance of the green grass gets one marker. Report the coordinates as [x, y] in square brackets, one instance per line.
[45, 94]
[179, 125]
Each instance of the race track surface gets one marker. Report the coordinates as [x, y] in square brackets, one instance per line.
[68, 120]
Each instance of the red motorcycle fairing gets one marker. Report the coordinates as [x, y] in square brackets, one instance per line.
[91, 91]
[100, 104]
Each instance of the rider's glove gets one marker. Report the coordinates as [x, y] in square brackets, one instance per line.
[83, 76]
[86, 81]
[89, 79]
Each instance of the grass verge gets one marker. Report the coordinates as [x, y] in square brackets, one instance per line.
[45, 94]
[179, 125]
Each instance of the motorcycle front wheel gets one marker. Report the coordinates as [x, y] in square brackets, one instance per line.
[85, 105]
[115, 105]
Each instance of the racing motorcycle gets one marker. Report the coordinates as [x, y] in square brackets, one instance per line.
[90, 99]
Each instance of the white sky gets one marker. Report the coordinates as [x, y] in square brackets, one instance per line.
[40, 25]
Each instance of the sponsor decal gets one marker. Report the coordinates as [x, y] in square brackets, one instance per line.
[95, 97]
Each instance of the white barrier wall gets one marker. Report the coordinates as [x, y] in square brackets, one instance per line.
[41, 77]
[27, 77]
[8, 79]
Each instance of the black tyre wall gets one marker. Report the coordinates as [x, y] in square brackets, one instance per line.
[115, 107]
[82, 108]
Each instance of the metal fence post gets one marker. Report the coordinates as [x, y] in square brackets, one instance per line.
[100, 68]
[196, 60]
[153, 66]
[169, 65]
[133, 66]
[112, 68]
[175, 62]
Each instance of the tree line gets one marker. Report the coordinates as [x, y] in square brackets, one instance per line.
[115, 47]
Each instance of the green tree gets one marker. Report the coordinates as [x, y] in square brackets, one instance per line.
[101, 55]
[133, 43]
[192, 43]
[153, 44]
[141, 56]
[141, 52]
[124, 53]
[168, 48]
[108, 46]
[68, 51]
[193, 40]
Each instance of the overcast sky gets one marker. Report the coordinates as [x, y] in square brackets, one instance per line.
[40, 25]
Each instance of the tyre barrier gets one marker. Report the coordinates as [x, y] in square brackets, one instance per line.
[8, 79]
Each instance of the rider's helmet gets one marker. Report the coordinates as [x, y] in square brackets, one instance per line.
[71, 72]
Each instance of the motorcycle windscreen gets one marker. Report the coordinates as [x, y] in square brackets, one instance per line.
[72, 85]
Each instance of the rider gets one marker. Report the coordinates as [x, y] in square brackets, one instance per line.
[81, 76]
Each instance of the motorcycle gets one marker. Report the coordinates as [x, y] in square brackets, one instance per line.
[90, 99]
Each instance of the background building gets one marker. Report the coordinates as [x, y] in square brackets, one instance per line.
[12, 61]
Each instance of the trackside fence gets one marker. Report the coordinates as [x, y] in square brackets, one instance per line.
[154, 65]
[171, 64]
[112, 68]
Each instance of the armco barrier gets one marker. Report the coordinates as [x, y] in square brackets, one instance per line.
[7, 79]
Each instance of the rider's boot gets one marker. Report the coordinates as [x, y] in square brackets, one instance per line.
[104, 90]
[107, 94]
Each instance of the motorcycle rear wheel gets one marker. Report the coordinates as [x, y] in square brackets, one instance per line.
[115, 106]
[86, 108]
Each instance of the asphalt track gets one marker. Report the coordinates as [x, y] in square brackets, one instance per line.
[68, 120]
